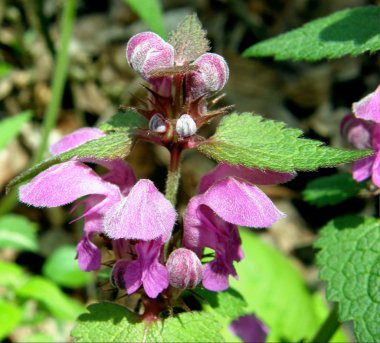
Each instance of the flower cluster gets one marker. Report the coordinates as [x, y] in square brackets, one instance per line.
[133, 215]
[362, 130]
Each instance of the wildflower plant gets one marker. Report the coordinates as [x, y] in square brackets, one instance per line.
[156, 254]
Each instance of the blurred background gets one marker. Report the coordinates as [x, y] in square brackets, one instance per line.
[37, 303]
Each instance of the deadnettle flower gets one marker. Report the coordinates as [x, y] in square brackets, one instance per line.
[362, 130]
[228, 198]
[107, 196]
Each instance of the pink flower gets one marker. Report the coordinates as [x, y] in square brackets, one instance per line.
[147, 53]
[146, 270]
[368, 108]
[363, 134]
[148, 214]
[228, 198]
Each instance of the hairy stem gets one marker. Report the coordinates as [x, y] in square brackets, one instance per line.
[174, 173]
[328, 328]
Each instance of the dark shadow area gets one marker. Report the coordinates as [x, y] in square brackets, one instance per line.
[359, 26]
[106, 311]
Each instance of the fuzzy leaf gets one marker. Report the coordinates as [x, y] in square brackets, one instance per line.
[349, 32]
[17, 232]
[189, 39]
[109, 322]
[10, 317]
[124, 121]
[331, 190]
[350, 263]
[112, 146]
[69, 275]
[49, 295]
[250, 140]
[150, 12]
[10, 127]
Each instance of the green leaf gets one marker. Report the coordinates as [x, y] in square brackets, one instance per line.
[109, 322]
[10, 127]
[150, 12]
[10, 318]
[331, 190]
[189, 39]
[350, 263]
[124, 121]
[112, 146]
[230, 303]
[275, 291]
[62, 268]
[227, 306]
[349, 32]
[18, 232]
[250, 140]
[49, 295]
[11, 275]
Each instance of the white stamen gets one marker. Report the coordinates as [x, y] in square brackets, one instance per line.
[185, 126]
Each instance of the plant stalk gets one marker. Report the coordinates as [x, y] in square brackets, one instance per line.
[174, 174]
[328, 328]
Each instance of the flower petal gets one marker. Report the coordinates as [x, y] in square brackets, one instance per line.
[376, 170]
[215, 278]
[252, 175]
[144, 214]
[240, 203]
[88, 255]
[147, 51]
[156, 279]
[368, 108]
[362, 169]
[63, 183]
[133, 276]
[75, 139]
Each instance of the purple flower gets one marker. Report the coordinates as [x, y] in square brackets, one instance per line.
[363, 134]
[185, 269]
[147, 270]
[249, 329]
[227, 200]
[368, 108]
[148, 53]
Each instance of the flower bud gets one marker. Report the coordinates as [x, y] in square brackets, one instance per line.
[157, 123]
[185, 269]
[211, 76]
[185, 126]
[117, 274]
[147, 51]
[358, 132]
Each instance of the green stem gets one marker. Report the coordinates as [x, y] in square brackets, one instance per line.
[59, 79]
[328, 328]
[174, 174]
